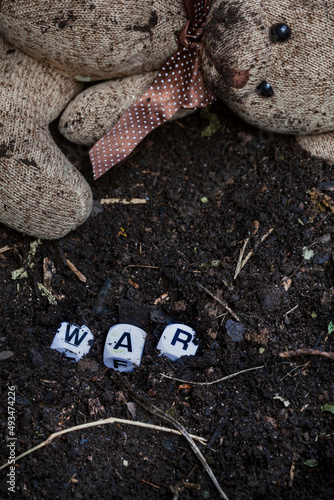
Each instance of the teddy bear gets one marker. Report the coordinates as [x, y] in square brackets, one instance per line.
[269, 61]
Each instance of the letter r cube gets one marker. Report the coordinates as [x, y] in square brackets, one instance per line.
[124, 347]
[177, 340]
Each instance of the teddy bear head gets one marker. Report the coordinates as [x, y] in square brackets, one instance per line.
[272, 62]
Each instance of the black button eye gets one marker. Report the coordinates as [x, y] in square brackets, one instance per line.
[280, 32]
[265, 89]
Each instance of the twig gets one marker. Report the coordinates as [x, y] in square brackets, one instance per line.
[267, 234]
[301, 352]
[135, 265]
[222, 302]
[6, 249]
[213, 381]
[323, 198]
[163, 298]
[294, 369]
[291, 310]
[241, 263]
[180, 487]
[78, 274]
[151, 484]
[123, 201]
[110, 420]
[156, 411]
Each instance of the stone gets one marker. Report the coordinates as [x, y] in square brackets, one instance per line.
[235, 330]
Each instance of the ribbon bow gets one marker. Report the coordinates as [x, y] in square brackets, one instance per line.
[178, 84]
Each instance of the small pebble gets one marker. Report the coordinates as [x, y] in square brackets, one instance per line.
[36, 358]
[158, 316]
[325, 238]
[6, 355]
[235, 330]
[21, 400]
[130, 312]
[322, 257]
[97, 208]
[273, 298]
[168, 445]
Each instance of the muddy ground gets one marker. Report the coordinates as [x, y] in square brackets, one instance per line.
[269, 431]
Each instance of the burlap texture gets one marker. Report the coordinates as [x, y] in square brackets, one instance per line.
[41, 194]
[238, 54]
[98, 39]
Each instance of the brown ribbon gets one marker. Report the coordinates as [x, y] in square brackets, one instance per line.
[178, 84]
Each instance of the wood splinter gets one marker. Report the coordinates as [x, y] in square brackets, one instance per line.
[301, 352]
[78, 274]
[222, 302]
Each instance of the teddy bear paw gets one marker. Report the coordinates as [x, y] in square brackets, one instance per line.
[98, 108]
[42, 202]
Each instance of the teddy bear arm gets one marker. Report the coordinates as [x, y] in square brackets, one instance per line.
[41, 193]
[96, 110]
[97, 39]
[319, 145]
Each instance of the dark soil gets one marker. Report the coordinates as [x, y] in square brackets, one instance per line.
[268, 433]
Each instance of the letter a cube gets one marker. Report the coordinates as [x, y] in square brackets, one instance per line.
[177, 340]
[124, 347]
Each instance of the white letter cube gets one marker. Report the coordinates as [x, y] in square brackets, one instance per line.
[73, 340]
[124, 347]
[177, 340]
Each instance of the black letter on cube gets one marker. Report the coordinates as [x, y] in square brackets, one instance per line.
[185, 342]
[119, 362]
[128, 345]
[75, 333]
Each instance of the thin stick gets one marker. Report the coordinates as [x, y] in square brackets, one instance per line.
[151, 484]
[156, 411]
[266, 235]
[135, 265]
[239, 263]
[110, 420]
[5, 249]
[197, 453]
[222, 302]
[78, 274]
[123, 201]
[246, 259]
[301, 352]
[213, 381]
[294, 369]
[291, 310]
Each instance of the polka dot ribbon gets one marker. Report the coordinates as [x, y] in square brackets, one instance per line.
[178, 84]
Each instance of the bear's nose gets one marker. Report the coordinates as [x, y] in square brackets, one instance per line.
[235, 78]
